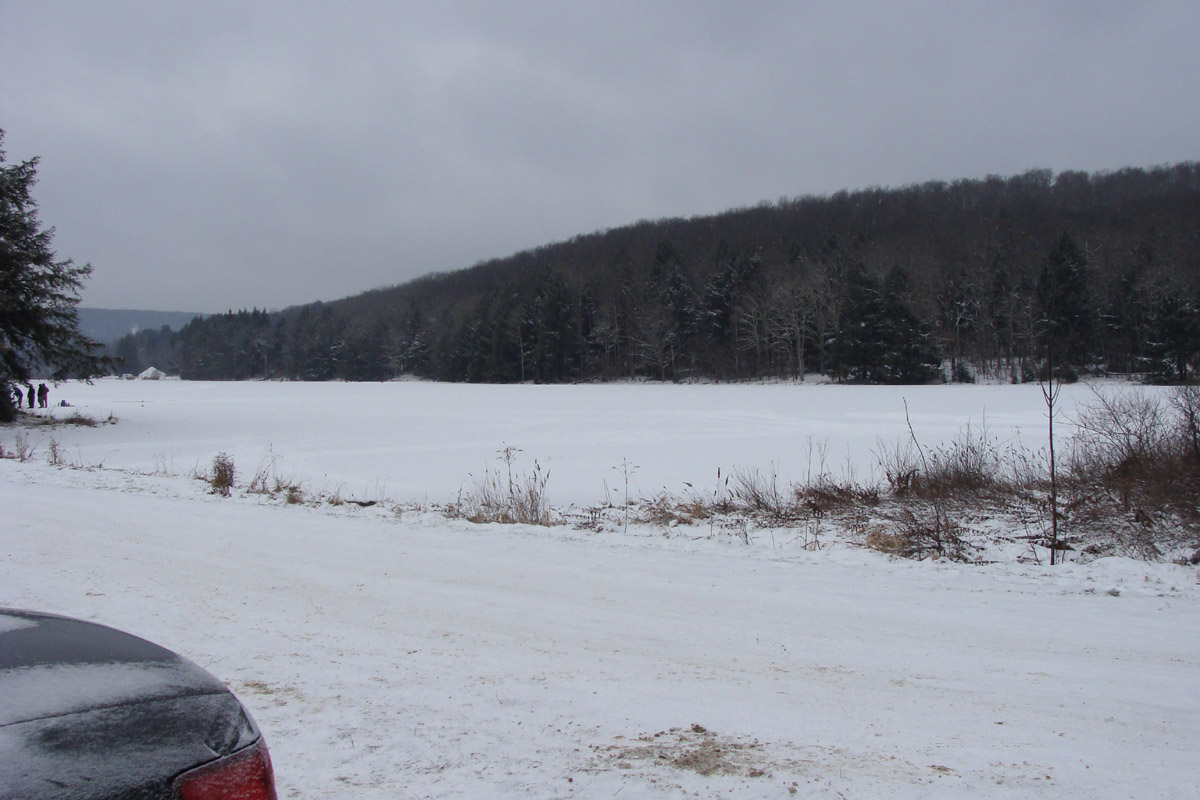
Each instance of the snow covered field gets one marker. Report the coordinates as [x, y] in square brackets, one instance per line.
[406, 655]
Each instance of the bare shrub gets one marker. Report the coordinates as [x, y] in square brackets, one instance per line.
[335, 497]
[922, 530]
[826, 496]
[221, 475]
[667, 510]
[900, 464]
[267, 481]
[290, 489]
[1124, 431]
[506, 496]
[163, 466]
[1141, 451]
[263, 478]
[54, 453]
[888, 541]
[1135, 477]
[758, 493]
[695, 506]
[1185, 401]
[969, 463]
[627, 471]
[1021, 468]
[21, 450]
[924, 526]
[721, 495]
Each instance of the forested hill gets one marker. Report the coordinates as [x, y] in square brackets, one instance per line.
[922, 283]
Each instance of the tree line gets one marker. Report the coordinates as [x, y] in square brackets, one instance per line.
[939, 281]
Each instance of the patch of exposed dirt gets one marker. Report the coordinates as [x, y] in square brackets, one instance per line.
[275, 694]
[695, 749]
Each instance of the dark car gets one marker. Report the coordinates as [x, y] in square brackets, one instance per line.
[89, 712]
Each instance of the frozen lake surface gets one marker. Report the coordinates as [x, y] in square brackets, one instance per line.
[414, 441]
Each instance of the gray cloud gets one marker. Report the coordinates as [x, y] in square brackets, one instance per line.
[228, 154]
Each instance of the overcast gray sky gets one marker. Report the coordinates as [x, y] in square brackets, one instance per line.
[214, 155]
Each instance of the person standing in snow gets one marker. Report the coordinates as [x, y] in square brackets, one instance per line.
[29, 388]
[43, 395]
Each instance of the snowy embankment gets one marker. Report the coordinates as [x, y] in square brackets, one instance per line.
[406, 655]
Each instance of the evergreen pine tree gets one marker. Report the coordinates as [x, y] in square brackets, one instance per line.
[39, 294]
[1065, 314]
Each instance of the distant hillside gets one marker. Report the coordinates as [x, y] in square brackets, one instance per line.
[921, 283]
[106, 325]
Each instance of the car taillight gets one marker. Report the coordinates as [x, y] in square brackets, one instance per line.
[245, 775]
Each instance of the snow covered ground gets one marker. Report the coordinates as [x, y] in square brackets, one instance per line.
[406, 655]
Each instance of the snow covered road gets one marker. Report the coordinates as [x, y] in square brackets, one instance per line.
[418, 657]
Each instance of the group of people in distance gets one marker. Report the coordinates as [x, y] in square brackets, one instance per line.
[41, 395]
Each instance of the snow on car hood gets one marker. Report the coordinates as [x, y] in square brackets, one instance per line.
[8, 623]
[50, 691]
[90, 713]
[51, 666]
